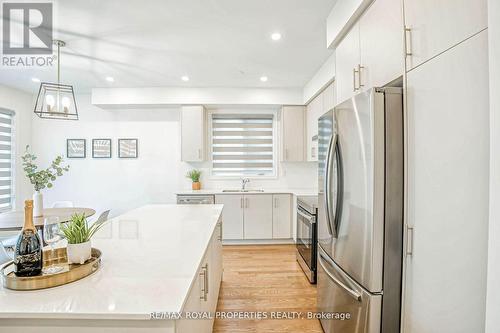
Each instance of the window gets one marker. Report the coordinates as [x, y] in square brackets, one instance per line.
[6, 160]
[242, 145]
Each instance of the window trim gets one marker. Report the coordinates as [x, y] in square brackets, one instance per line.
[273, 112]
[13, 156]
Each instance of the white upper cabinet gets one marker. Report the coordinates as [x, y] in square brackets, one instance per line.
[436, 25]
[282, 219]
[293, 128]
[381, 42]
[258, 216]
[314, 109]
[348, 59]
[193, 133]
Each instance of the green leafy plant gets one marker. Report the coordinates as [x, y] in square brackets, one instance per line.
[194, 175]
[42, 178]
[77, 230]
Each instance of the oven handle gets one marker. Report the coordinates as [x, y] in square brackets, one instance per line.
[309, 218]
[351, 292]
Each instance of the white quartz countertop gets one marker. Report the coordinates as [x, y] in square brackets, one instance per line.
[295, 191]
[150, 257]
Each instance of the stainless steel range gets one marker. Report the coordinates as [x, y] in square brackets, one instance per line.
[307, 235]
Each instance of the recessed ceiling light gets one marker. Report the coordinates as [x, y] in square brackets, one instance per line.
[276, 36]
[35, 79]
[110, 79]
[263, 78]
[185, 78]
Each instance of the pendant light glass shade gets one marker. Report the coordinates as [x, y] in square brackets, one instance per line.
[56, 100]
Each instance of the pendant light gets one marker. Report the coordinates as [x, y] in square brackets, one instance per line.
[56, 100]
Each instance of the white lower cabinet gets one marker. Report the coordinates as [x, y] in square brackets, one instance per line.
[232, 215]
[282, 218]
[256, 216]
[204, 293]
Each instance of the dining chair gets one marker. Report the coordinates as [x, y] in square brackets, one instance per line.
[103, 217]
[9, 242]
[63, 204]
[4, 256]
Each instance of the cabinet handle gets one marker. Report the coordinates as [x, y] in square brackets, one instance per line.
[359, 76]
[409, 241]
[220, 231]
[206, 281]
[354, 71]
[313, 152]
[203, 274]
[408, 45]
[241, 203]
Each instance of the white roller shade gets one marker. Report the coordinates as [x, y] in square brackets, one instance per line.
[5, 160]
[242, 145]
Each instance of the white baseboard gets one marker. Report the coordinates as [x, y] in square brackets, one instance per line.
[257, 241]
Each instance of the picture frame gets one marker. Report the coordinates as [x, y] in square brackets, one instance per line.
[101, 148]
[128, 148]
[76, 148]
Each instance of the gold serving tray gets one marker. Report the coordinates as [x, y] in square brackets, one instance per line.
[70, 272]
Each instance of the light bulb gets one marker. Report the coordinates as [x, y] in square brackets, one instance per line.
[50, 101]
[65, 101]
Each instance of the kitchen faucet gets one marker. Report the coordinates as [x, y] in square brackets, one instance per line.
[244, 182]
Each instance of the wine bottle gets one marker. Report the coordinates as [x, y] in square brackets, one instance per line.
[28, 257]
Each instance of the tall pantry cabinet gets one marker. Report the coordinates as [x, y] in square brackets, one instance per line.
[447, 111]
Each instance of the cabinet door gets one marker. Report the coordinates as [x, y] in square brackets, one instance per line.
[448, 121]
[258, 216]
[381, 40]
[193, 133]
[232, 215]
[347, 57]
[215, 267]
[293, 133]
[435, 26]
[282, 217]
[328, 101]
[193, 304]
[314, 109]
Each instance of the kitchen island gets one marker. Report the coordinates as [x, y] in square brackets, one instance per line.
[158, 261]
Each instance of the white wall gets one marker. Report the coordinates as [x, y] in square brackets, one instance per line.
[22, 104]
[493, 291]
[120, 184]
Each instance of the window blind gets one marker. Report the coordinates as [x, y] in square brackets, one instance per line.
[5, 160]
[242, 145]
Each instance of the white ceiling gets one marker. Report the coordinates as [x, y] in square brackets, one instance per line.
[217, 43]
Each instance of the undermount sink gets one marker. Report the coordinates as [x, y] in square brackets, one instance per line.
[245, 191]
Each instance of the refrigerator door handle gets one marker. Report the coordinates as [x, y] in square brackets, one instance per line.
[340, 189]
[352, 293]
[333, 141]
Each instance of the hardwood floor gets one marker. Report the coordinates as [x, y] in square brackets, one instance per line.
[265, 278]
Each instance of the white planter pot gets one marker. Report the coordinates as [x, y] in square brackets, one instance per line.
[79, 253]
[37, 204]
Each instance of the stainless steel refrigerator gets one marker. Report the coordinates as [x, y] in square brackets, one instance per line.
[360, 214]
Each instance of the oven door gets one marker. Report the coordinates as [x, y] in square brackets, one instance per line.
[306, 235]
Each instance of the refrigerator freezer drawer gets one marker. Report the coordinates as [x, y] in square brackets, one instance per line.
[338, 293]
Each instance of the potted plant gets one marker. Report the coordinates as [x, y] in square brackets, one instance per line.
[78, 234]
[41, 178]
[194, 175]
